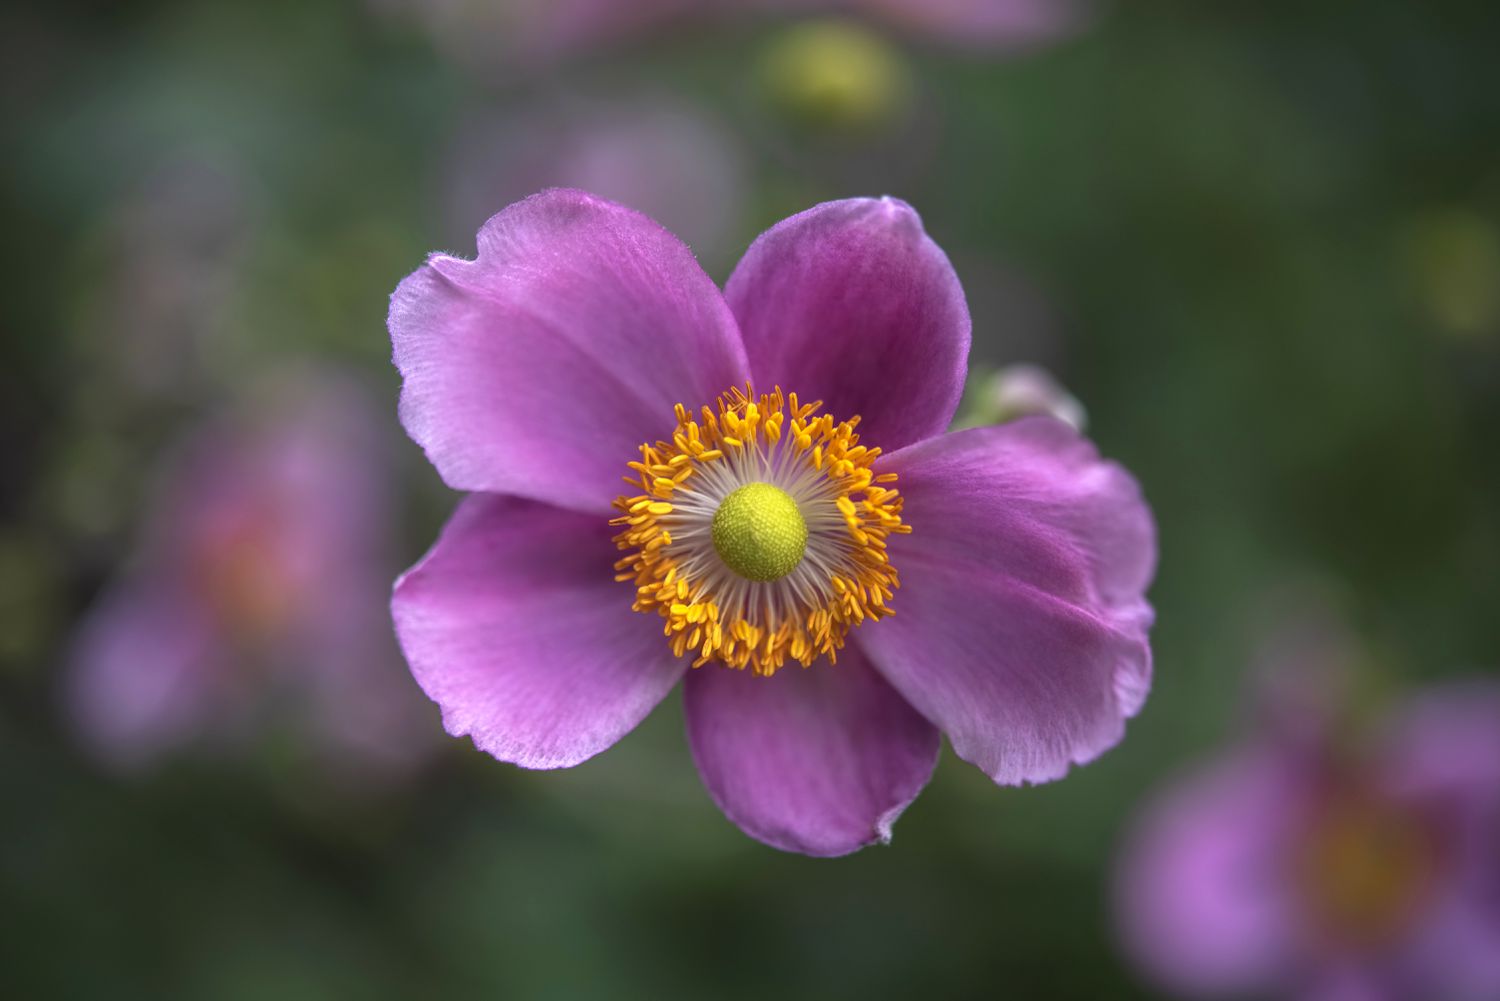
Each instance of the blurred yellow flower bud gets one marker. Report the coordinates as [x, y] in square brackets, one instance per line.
[836, 75]
[1453, 260]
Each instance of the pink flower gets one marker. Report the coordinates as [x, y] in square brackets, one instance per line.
[1317, 870]
[975, 24]
[253, 596]
[756, 530]
[484, 34]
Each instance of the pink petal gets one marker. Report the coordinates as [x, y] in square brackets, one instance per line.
[1445, 744]
[1001, 24]
[1020, 625]
[148, 673]
[540, 368]
[514, 624]
[1203, 899]
[1442, 756]
[818, 760]
[852, 303]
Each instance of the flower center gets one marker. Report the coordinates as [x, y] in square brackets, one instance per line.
[1367, 870]
[242, 572]
[759, 533]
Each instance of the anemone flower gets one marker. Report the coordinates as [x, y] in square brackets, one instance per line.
[491, 35]
[760, 532]
[1329, 869]
[251, 604]
[971, 24]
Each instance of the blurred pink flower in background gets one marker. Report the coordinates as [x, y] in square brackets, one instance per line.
[255, 602]
[500, 35]
[659, 155]
[1330, 868]
[977, 24]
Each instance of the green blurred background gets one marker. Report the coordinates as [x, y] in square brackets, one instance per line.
[1258, 241]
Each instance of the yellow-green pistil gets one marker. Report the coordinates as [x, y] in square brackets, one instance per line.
[759, 532]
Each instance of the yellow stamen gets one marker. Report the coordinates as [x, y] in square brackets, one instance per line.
[1367, 868]
[759, 533]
